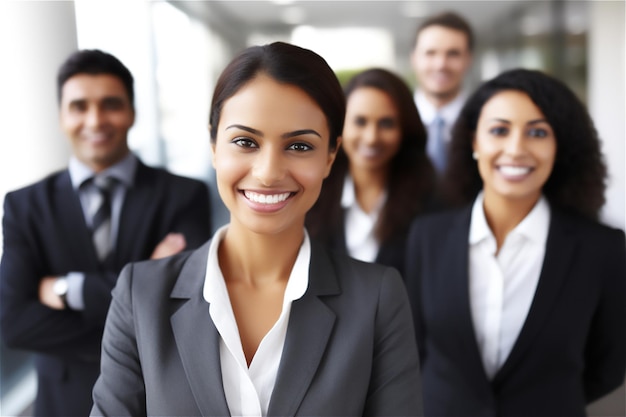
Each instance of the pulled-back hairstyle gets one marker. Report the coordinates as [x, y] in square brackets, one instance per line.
[95, 62]
[288, 64]
[411, 175]
[577, 181]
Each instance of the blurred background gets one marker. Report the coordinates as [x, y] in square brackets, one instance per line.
[176, 50]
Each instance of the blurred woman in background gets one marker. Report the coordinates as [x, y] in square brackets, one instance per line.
[381, 178]
[518, 296]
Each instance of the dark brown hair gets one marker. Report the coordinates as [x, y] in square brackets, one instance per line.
[448, 20]
[287, 64]
[94, 62]
[577, 181]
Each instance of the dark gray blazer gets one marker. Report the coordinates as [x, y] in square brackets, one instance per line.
[350, 346]
[572, 347]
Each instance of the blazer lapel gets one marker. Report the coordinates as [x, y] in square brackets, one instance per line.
[560, 248]
[453, 288]
[139, 206]
[197, 338]
[73, 229]
[310, 325]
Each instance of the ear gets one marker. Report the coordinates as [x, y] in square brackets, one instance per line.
[331, 157]
[213, 143]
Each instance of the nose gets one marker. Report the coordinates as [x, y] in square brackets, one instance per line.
[93, 118]
[515, 145]
[369, 134]
[269, 166]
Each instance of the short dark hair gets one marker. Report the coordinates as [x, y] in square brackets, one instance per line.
[449, 20]
[577, 181]
[288, 64]
[94, 62]
[411, 175]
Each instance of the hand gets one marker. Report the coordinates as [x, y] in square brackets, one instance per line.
[172, 244]
[47, 295]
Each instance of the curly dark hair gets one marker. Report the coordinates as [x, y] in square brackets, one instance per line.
[411, 178]
[577, 181]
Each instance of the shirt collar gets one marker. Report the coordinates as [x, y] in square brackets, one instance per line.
[348, 196]
[215, 286]
[448, 113]
[123, 171]
[533, 227]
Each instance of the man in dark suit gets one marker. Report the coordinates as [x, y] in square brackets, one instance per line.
[67, 236]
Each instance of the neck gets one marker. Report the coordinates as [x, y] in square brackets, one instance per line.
[503, 214]
[441, 100]
[368, 187]
[258, 258]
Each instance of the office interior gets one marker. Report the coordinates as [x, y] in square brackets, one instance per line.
[176, 50]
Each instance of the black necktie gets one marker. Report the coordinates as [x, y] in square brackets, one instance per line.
[101, 221]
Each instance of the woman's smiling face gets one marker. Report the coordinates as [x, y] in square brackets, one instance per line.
[271, 155]
[515, 146]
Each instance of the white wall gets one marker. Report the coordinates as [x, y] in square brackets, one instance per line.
[607, 107]
[35, 38]
[606, 90]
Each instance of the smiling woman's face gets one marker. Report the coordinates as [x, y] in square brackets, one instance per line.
[516, 147]
[271, 155]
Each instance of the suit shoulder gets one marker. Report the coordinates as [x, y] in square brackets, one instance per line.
[38, 187]
[38, 194]
[439, 221]
[591, 230]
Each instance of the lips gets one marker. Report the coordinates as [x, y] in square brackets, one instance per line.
[266, 198]
[514, 171]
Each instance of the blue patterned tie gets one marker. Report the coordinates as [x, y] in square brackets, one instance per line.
[436, 146]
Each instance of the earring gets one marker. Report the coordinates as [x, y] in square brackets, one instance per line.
[475, 155]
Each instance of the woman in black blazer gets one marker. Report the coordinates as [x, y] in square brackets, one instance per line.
[518, 295]
[381, 173]
[262, 320]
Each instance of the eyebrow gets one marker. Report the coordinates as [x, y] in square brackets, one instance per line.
[284, 135]
[531, 122]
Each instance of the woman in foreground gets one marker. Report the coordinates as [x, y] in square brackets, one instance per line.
[518, 296]
[261, 320]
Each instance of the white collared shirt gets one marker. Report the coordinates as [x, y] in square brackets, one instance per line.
[502, 287]
[361, 241]
[449, 113]
[249, 389]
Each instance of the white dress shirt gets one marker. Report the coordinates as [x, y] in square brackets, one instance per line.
[502, 287]
[449, 113]
[249, 389]
[90, 199]
[361, 241]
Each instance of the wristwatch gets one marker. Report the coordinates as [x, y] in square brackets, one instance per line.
[60, 288]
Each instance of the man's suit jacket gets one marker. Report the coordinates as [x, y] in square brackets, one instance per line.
[572, 347]
[349, 349]
[45, 234]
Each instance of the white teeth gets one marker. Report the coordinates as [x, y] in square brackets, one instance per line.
[514, 171]
[266, 198]
[369, 152]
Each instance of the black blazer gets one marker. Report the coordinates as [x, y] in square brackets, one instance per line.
[349, 348]
[572, 347]
[390, 253]
[45, 234]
